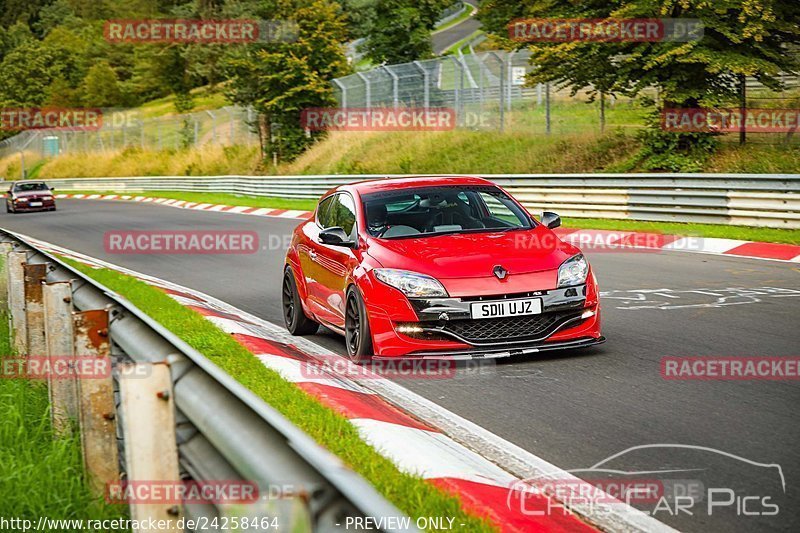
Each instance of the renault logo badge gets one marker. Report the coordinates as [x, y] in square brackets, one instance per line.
[500, 272]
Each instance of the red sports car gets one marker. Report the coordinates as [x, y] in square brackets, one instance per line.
[437, 267]
[25, 196]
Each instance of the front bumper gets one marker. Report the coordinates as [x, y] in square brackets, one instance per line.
[443, 327]
[47, 205]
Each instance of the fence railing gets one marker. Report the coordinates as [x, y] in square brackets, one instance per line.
[197, 422]
[126, 128]
[485, 87]
[768, 200]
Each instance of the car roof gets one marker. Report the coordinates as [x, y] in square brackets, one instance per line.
[391, 184]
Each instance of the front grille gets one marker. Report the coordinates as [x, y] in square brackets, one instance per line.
[521, 328]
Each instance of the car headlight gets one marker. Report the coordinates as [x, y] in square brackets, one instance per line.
[573, 271]
[20, 199]
[411, 284]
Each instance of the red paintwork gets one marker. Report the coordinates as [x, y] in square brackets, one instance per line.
[45, 196]
[462, 263]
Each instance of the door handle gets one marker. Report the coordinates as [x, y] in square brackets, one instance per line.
[312, 254]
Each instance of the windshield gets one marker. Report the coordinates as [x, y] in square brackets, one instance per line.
[438, 210]
[26, 187]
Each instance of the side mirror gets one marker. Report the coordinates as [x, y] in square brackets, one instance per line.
[335, 236]
[550, 219]
[52, 189]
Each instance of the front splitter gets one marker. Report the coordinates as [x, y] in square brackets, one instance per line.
[483, 353]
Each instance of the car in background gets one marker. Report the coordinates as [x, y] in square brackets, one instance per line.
[437, 267]
[26, 196]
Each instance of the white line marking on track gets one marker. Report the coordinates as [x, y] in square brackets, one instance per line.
[430, 454]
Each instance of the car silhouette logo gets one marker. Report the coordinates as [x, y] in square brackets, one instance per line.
[500, 272]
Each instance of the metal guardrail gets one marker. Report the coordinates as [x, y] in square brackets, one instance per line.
[767, 200]
[223, 430]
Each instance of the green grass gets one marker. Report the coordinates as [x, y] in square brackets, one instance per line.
[41, 476]
[205, 98]
[745, 233]
[411, 494]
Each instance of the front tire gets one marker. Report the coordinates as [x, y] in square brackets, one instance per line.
[293, 315]
[358, 336]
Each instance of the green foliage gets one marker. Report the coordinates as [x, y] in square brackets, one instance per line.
[101, 86]
[401, 29]
[360, 16]
[741, 38]
[280, 79]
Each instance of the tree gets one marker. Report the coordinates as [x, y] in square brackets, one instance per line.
[27, 71]
[101, 87]
[360, 16]
[401, 30]
[741, 38]
[280, 79]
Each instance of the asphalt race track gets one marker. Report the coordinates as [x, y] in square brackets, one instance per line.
[446, 38]
[573, 409]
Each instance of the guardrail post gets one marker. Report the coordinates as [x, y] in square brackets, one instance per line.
[96, 400]
[59, 338]
[5, 249]
[16, 300]
[148, 419]
[34, 308]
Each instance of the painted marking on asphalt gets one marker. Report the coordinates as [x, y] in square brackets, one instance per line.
[704, 244]
[292, 213]
[295, 371]
[766, 249]
[694, 298]
[429, 454]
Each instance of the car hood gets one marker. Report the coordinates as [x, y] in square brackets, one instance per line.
[25, 194]
[474, 255]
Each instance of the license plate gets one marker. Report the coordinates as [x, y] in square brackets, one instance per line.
[506, 308]
[36, 204]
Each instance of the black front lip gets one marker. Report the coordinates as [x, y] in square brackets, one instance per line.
[498, 353]
[435, 313]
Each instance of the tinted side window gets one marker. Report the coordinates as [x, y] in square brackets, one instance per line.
[324, 213]
[343, 214]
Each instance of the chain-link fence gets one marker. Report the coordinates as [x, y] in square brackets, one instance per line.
[122, 129]
[488, 91]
